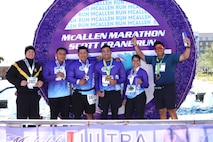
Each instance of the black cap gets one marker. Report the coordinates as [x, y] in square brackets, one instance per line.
[82, 47]
[158, 42]
[106, 46]
[28, 48]
[61, 48]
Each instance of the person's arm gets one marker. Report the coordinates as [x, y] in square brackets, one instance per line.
[71, 74]
[12, 76]
[97, 75]
[125, 85]
[47, 73]
[40, 78]
[137, 49]
[145, 80]
[122, 74]
[186, 53]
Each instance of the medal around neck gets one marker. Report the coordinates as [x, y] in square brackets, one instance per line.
[31, 82]
[108, 78]
[86, 77]
[158, 76]
[131, 88]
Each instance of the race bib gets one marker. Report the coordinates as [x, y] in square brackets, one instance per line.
[162, 68]
[106, 79]
[91, 99]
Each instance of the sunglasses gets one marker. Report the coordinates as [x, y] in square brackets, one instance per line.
[159, 47]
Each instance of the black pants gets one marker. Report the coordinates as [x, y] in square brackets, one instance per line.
[112, 100]
[136, 104]
[59, 106]
[28, 106]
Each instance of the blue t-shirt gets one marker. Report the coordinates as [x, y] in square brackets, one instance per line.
[77, 71]
[117, 72]
[56, 88]
[167, 69]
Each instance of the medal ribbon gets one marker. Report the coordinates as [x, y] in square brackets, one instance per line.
[61, 66]
[85, 67]
[29, 67]
[158, 64]
[108, 68]
[23, 73]
[132, 75]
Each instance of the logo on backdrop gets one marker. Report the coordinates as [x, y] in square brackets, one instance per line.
[111, 22]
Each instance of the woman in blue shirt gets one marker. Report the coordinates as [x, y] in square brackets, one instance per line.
[134, 93]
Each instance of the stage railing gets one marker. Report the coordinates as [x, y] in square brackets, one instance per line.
[102, 122]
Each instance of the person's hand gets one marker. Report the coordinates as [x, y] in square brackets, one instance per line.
[100, 94]
[112, 82]
[134, 41]
[99, 57]
[124, 102]
[82, 81]
[139, 81]
[60, 74]
[23, 83]
[187, 41]
[118, 59]
[39, 84]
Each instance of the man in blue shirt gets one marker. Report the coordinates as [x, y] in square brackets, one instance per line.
[54, 73]
[164, 76]
[109, 75]
[81, 75]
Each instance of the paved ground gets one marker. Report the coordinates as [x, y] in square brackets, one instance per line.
[202, 85]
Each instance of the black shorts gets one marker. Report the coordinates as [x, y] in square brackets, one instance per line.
[80, 104]
[60, 106]
[165, 96]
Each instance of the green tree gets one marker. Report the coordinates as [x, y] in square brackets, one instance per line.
[1, 59]
[205, 61]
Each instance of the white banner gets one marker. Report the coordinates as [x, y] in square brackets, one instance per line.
[109, 133]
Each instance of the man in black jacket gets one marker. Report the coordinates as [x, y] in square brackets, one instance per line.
[26, 75]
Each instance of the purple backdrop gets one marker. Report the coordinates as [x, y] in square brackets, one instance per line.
[169, 16]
